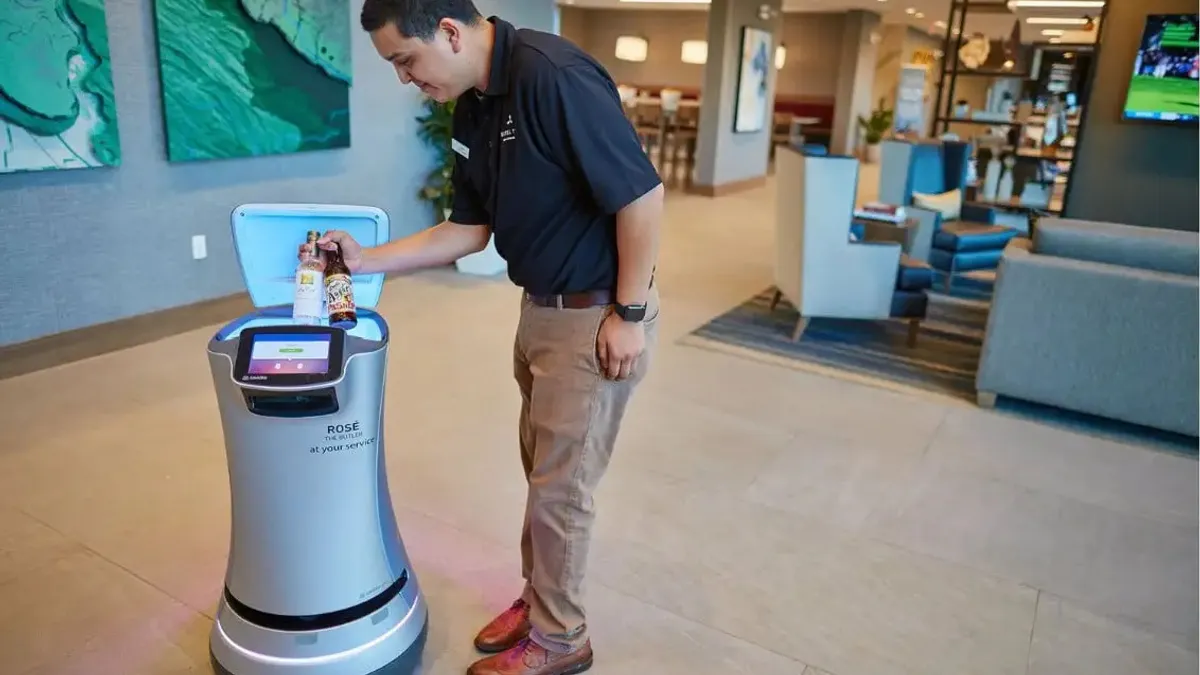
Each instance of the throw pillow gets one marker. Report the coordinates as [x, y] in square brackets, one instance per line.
[949, 204]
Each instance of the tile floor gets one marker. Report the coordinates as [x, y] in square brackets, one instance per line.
[756, 519]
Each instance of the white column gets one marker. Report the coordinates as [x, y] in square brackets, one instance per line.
[856, 79]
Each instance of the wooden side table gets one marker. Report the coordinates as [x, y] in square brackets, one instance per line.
[903, 233]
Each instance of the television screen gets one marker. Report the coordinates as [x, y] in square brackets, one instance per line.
[1165, 84]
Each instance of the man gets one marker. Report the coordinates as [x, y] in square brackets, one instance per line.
[547, 162]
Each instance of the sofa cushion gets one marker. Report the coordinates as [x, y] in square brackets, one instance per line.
[965, 261]
[913, 275]
[962, 236]
[927, 171]
[1145, 248]
[948, 203]
[909, 304]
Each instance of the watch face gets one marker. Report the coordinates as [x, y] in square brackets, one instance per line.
[632, 312]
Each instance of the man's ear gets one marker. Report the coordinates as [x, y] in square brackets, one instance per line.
[453, 33]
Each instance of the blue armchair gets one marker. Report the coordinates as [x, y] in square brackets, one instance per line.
[818, 269]
[973, 241]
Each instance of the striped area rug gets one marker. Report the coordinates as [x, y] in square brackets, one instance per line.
[944, 360]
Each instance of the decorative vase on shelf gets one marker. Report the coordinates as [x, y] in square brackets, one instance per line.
[991, 179]
[1004, 191]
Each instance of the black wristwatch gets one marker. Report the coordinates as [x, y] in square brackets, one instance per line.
[631, 313]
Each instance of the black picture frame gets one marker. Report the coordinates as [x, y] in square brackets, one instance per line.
[745, 69]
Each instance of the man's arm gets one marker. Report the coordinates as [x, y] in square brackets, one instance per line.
[439, 245]
[638, 226]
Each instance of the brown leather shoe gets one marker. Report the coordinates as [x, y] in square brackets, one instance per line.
[505, 630]
[528, 658]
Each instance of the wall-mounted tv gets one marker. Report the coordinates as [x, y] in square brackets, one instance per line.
[1165, 86]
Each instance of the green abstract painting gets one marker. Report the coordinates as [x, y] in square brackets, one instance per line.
[242, 78]
[57, 109]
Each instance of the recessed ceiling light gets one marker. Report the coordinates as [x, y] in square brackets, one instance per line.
[939, 24]
[910, 10]
[1055, 20]
[1055, 41]
[1053, 32]
[920, 15]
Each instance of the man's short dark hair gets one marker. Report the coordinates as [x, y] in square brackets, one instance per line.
[416, 18]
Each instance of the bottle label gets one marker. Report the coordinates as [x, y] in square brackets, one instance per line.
[308, 297]
[339, 293]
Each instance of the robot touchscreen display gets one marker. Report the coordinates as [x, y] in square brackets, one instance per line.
[289, 354]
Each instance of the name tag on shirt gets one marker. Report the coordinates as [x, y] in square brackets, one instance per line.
[460, 148]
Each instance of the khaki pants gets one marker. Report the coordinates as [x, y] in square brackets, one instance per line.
[570, 415]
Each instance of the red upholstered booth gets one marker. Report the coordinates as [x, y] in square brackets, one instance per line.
[820, 107]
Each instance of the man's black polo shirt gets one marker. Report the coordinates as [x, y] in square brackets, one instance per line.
[546, 157]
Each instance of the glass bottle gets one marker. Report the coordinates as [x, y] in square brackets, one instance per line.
[339, 291]
[309, 296]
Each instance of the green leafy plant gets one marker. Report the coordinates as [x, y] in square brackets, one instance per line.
[436, 129]
[878, 124]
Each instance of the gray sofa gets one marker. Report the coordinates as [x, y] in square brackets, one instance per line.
[1098, 318]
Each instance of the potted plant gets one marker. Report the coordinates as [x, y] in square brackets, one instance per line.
[436, 127]
[874, 128]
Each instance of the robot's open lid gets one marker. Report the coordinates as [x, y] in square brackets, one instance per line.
[266, 238]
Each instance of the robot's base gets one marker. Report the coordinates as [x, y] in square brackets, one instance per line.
[381, 648]
[406, 664]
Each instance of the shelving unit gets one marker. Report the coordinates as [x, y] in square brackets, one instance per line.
[1018, 138]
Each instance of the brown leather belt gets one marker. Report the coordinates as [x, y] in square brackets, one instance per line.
[582, 300]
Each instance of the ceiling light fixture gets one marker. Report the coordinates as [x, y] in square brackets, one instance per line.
[1055, 21]
[1055, 4]
[1053, 32]
[668, 2]
[694, 52]
[910, 10]
[631, 48]
[920, 15]
[939, 24]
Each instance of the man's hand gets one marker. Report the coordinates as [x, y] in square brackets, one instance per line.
[352, 252]
[618, 346]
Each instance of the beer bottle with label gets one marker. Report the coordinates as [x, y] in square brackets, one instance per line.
[309, 295]
[339, 291]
